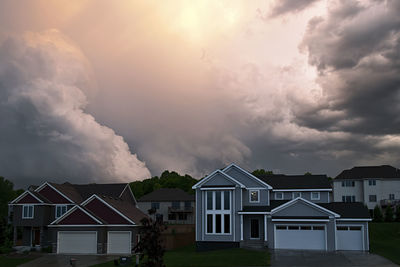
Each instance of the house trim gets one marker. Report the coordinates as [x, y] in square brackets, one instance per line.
[22, 196]
[55, 189]
[202, 181]
[253, 212]
[109, 205]
[248, 174]
[130, 190]
[302, 190]
[72, 210]
[300, 220]
[354, 220]
[94, 225]
[293, 201]
[217, 188]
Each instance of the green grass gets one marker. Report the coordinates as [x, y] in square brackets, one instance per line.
[7, 261]
[384, 240]
[188, 257]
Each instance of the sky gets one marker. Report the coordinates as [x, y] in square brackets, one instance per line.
[100, 91]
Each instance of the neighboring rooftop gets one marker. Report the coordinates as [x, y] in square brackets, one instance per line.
[281, 181]
[167, 194]
[366, 172]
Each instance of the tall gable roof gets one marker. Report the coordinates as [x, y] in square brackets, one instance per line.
[365, 172]
[281, 181]
[167, 194]
[239, 173]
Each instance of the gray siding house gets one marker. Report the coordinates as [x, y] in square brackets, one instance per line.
[171, 205]
[236, 209]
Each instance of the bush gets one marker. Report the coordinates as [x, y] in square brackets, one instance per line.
[378, 217]
[389, 214]
[398, 213]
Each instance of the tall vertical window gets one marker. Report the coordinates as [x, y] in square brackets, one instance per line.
[27, 211]
[218, 212]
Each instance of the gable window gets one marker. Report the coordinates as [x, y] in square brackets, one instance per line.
[391, 196]
[155, 205]
[27, 211]
[371, 182]
[279, 195]
[254, 196]
[348, 183]
[372, 198]
[60, 210]
[296, 195]
[218, 212]
[348, 198]
[315, 196]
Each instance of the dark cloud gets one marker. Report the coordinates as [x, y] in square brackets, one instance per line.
[45, 132]
[282, 7]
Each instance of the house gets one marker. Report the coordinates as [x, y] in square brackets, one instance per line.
[171, 205]
[77, 218]
[236, 209]
[371, 185]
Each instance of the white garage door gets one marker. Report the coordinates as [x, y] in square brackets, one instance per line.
[119, 242]
[77, 242]
[300, 237]
[349, 237]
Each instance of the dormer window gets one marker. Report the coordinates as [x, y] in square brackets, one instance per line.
[60, 210]
[27, 211]
[254, 196]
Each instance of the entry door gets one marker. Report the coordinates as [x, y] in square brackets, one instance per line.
[254, 229]
[36, 236]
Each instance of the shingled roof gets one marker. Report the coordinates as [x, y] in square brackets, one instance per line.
[167, 194]
[355, 210]
[281, 181]
[366, 172]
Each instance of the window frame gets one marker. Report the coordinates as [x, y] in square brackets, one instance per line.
[317, 198]
[258, 196]
[155, 204]
[394, 196]
[372, 201]
[60, 206]
[372, 182]
[33, 211]
[293, 197]
[213, 212]
[279, 198]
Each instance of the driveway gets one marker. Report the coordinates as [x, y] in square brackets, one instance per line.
[63, 260]
[318, 258]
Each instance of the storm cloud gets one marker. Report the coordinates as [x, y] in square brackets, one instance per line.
[282, 7]
[45, 131]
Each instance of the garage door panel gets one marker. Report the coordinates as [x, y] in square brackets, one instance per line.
[349, 238]
[77, 242]
[119, 242]
[300, 237]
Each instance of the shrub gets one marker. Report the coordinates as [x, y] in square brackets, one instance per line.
[389, 214]
[378, 217]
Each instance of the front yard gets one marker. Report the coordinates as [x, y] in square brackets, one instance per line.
[188, 257]
[12, 261]
[385, 240]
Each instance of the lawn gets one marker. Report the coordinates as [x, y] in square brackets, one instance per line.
[384, 240]
[7, 261]
[188, 257]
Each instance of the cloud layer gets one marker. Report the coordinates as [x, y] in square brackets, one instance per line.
[45, 131]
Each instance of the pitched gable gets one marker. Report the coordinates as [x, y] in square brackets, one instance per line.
[77, 217]
[103, 211]
[217, 175]
[27, 198]
[244, 177]
[52, 195]
[300, 207]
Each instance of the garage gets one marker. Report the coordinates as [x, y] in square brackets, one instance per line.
[300, 237]
[119, 242]
[77, 242]
[349, 237]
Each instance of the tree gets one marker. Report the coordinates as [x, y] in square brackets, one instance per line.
[150, 246]
[308, 173]
[261, 173]
[378, 217]
[398, 213]
[389, 214]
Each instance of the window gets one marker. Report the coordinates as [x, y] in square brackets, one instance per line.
[188, 205]
[348, 198]
[60, 210]
[254, 196]
[293, 227]
[182, 216]
[155, 205]
[372, 182]
[348, 183]
[171, 217]
[278, 195]
[176, 205]
[318, 228]
[296, 195]
[391, 196]
[372, 198]
[280, 227]
[315, 196]
[27, 211]
[305, 227]
[218, 212]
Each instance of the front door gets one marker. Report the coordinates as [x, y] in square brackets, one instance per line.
[36, 236]
[254, 229]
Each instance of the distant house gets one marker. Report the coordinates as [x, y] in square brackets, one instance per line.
[236, 209]
[172, 205]
[372, 185]
[77, 219]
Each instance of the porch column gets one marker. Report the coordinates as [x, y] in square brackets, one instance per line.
[241, 227]
[265, 228]
[15, 236]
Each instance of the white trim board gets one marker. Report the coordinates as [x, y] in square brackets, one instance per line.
[233, 165]
[300, 220]
[94, 225]
[354, 220]
[253, 212]
[72, 210]
[217, 188]
[293, 201]
[302, 190]
[55, 189]
[202, 181]
[23, 195]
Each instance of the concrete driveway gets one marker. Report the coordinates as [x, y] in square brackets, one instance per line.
[63, 260]
[318, 258]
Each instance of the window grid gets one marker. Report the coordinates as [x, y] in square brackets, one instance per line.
[256, 194]
[211, 214]
[60, 210]
[315, 196]
[27, 211]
